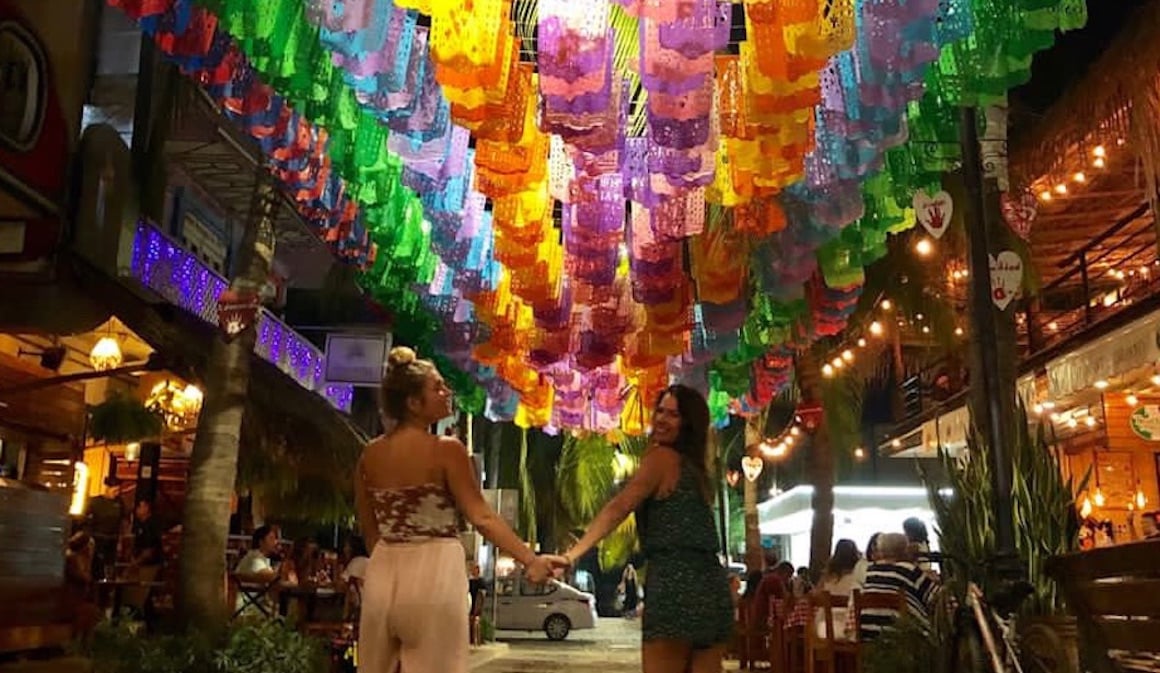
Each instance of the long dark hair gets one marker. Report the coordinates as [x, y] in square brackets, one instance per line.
[843, 561]
[693, 438]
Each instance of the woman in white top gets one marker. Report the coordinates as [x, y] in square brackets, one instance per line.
[865, 562]
[839, 580]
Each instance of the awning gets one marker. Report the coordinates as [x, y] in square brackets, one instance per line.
[284, 410]
[1130, 347]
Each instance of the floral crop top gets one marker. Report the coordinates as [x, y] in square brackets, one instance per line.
[414, 513]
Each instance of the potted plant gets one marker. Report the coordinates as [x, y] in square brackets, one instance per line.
[120, 419]
[1045, 522]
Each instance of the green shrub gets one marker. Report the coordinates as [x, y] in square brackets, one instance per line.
[247, 647]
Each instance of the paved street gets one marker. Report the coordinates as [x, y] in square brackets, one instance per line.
[612, 647]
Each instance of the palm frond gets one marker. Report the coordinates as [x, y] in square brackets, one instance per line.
[585, 476]
[618, 548]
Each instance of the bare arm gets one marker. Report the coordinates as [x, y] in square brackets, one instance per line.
[362, 507]
[644, 483]
[464, 487]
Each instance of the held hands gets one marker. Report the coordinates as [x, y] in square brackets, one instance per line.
[545, 567]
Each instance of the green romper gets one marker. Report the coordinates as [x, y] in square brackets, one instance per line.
[686, 590]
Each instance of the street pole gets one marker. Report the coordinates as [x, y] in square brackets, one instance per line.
[990, 415]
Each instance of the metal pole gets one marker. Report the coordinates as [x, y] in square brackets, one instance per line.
[985, 328]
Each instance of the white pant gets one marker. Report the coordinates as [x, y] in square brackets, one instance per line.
[412, 609]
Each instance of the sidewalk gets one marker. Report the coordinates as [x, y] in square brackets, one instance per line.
[484, 654]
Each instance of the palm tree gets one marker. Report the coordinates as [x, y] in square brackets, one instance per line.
[819, 463]
[754, 434]
[214, 461]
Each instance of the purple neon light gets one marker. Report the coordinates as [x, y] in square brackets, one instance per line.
[182, 279]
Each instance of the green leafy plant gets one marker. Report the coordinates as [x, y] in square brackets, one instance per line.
[120, 419]
[1044, 513]
[252, 646]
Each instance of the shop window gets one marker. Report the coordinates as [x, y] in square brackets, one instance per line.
[22, 87]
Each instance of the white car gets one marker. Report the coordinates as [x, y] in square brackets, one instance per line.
[554, 608]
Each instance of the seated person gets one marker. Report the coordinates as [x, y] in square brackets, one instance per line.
[255, 566]
[894, 571]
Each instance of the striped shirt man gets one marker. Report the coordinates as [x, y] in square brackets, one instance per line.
[917, 586]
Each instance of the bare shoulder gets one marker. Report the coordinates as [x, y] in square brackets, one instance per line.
[450, 449]
[661, 457]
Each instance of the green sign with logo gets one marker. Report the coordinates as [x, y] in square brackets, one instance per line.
[1145, 422]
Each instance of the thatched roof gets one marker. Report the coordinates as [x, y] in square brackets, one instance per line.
[1100, 144]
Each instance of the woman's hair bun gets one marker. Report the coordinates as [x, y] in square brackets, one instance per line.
[400, 356]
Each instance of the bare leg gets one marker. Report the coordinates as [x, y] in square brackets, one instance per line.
[665, 655]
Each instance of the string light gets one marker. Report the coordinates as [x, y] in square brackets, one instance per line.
[924, 247]
[848, 355]
[861, 342]
[1131, 400]
[1079, 177]
[828, 370]
[1101, 385]
[876, 329]
[958, 331]
[886, 305]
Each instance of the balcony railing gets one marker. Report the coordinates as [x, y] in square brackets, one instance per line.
[180, 278]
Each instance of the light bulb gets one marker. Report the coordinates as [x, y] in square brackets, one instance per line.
[1085, 509]
[1079, 177]
[794, 431]
[859, 453]
[1101, 384]
[886, 305]
[1141, 499]
[837, 362]
[958, 331]
[1100, 151]
[1045, 195]
[876, 330]
[1100, 162]
[1061, 189]
[1090, 421]
[848, 355]
[827, 370]
[1132, 400]
[861, 342]
[924, 247]
[1099, 498]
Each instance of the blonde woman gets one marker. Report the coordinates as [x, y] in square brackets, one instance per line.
[410, 489]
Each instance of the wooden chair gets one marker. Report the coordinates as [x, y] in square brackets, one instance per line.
[1115, 594]
[826, 648]
[873, 600]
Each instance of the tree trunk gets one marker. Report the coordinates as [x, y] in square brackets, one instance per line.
[214, 462]
[754, 558]
[819, 466]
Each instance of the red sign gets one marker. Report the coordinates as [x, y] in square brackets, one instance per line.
[237, 312]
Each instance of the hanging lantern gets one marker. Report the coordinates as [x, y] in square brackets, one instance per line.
[106, 354]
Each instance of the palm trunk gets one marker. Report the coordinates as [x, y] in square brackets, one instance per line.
[214, 462]
[819, 466]
[754, 558]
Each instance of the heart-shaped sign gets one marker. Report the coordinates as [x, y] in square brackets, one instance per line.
[751, 466]
[1019, 212]
[1006, 278]
[731, 477]
[933, 212]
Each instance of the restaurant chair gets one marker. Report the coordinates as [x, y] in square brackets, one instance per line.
[873, 600]
[825, 648]
[253, 594]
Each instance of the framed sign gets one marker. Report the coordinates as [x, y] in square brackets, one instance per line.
[357, 359]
